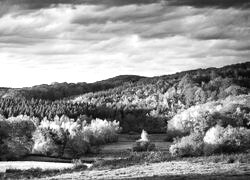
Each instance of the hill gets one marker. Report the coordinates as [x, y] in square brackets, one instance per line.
[136, 102]
[150, 102]
[57, 91]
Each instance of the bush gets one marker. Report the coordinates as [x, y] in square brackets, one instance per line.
[234, 111]
[44, 143]
[172, 134]
[226, 140]
[79, 165]
[216, 140]
[157, 156]
[51, 136]
[16, 137]
[69, 138]
[143, 146]
[100, 131]
[223, 125]
[76, 146]
[3, 136]
[191, 145]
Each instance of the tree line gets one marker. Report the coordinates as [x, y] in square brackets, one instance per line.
[140, 103]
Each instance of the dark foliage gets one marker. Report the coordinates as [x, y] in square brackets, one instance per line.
[39, 173]
[57, 91]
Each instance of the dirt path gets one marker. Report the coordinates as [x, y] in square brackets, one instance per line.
[169, 170]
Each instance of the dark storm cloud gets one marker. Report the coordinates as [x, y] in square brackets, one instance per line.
[212, 3]
[37, 4]
[7, 6]
[135, 13]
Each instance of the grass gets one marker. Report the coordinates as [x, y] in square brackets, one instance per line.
[136, 158]
[39, 173]
[115, 156]
[222, 158]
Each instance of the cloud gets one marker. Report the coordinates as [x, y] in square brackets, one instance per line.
[89, 41]
[38, 4]
[211, 3]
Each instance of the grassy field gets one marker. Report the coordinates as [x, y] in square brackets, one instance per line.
[116, 161]
[166, 170]
[125, 143]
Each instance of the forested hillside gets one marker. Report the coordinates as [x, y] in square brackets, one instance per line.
[151, 102]
[136, 102]
[56, 91]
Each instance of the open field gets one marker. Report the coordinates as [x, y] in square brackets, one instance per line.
[109, 151]
[168, 170]
[186, 168]
[125, 143]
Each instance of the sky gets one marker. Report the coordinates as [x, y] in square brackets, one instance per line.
[45, 41]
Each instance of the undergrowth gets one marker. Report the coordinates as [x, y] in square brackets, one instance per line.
[41, 173]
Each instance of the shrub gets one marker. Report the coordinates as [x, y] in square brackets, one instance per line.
[79, 165]
[191, 145]
[44, 143]
[172, 134]
[54, 137]
[144, 136]
[50, 137]
[195, 118]
[216, 140]
[3, 136]
[16, 137]
[35, 173]
[157, 156]
[77, 146]
[226, 140]
[234, 111]
[100, 131]
[143, 146]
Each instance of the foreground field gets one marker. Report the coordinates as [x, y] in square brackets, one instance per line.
[112, 163]
[168, 170]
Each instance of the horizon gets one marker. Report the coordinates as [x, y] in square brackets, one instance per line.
[72, 41]
[122, 75]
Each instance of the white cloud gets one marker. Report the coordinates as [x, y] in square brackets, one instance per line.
[93, 42]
